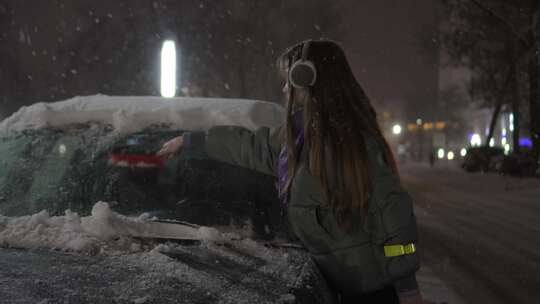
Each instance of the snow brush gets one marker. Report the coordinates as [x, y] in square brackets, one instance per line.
[170, 230]
[136, 160]
[137, 151]
[185, 233]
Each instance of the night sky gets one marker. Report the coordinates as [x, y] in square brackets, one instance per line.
[384, 45]
[55, 50]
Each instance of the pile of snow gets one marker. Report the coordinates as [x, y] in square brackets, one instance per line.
[104, 231]
[132, 114]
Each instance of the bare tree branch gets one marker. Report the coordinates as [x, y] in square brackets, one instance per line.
[530, 45]
[510, 27]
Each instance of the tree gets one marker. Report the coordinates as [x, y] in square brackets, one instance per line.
[498, 40]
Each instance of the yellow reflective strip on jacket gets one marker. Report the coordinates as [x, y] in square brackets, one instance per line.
[397, 250]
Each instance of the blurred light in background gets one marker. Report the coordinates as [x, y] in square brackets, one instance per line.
[168, 69]
[419, 121]
[506, 149]
[440, 153]
[525, 142]
[492, 142]
[476, 140]
[503, 141]
[396, 129]
[450, 155]
[511, 118]
[463, 152]
[428, 126]
[440, 125]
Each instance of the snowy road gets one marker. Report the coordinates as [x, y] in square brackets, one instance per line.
[479, 232]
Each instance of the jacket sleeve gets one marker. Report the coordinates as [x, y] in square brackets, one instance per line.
[257, 150]
[399, 223]
[394, 223]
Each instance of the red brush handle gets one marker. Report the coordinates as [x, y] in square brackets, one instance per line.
[137, 159]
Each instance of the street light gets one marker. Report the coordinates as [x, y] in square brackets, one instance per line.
[168, 69]
[396, 129]
[440, 153]
[511, 121]
[463, 152]
[450, 155]
[476, 140]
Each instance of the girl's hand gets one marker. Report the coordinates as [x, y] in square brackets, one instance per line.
[411, 299]
[171, 147]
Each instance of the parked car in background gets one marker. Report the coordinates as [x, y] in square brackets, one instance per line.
[482, 159]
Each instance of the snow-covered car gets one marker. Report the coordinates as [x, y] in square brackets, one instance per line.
[482, 159]
[89, 214]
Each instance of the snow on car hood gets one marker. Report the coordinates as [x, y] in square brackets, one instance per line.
[102, 261]
[103, 231]
[128, 114]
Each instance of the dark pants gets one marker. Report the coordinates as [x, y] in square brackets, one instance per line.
[386, 295]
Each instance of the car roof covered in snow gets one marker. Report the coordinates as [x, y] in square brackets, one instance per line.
[127, 114]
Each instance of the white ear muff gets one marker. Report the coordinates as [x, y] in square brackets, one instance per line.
[303, 73]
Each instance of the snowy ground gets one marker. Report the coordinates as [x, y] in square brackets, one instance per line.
[478, 232]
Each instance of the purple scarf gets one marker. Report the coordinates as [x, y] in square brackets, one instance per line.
[298, 130]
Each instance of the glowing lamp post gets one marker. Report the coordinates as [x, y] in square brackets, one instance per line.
[440, 153]
[396, 129]
[168, 69]
[476, 140]
[511, 121]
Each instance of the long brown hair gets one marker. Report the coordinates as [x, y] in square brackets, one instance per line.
[337, 117]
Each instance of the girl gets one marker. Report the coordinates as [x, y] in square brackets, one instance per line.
[336, 174]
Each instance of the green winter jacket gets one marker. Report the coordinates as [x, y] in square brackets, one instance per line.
[353, 263]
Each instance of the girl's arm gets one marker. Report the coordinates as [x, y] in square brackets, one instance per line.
[257, 150]
[395, 227]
